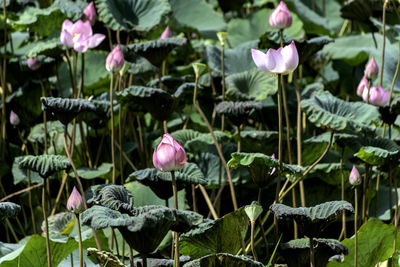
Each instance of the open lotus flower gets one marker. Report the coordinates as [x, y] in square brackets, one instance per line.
[33, 63]
[354, 178]
[363, 85]
[14, 119]
[169, 154]
[166, 33]
[115, 60]
[79, 35]
[89, 14]
[377, 96]
[371, 70]
[75, 201]
[281, 17]
[281, 61]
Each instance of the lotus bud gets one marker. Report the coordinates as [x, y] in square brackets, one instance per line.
[199, 68]
[371, 70]
[363, 85]
[280, 17]
[166, 33]
[253, 211]
[75, 202]
[377, 96]
[115, 60]
[222, 36]
[354, 178]
[33, 63]
[273, 169]
[90, 14]
[14, 119]
[169, 155]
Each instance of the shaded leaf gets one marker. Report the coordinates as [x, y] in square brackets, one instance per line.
[92, 173]
[237, 112]
[45, 165]
[376, 151]
[115, 197]
[105, 257]
[8, 209]
[223, 259]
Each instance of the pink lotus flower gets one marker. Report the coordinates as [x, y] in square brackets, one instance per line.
[79, 35]
[377, 96]
[363, 85]
[281, 17]
[115, 60]
[89, 14]
[354, 178]
[33, 63]
[282, 61]
[371, 70]
[14, 119]
[169, 154]
[166, 33]
[75, 201]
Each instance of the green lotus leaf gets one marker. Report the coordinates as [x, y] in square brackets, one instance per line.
[92, 173]
[105, 258]
[182, 136]
[45, 165]
[222, 235]
[198, 15]
[259, 141]
[37, 131]
[376, 151]
[58, 222]
[132, 15]
[139, 65]
[237, 112]
[297, 252]
[223, 259]
[115, 197]
[251, 85]
[158, 102]
[331, 173]
[65, 109]
[312, 220]
[328, 111]
[189, 174]
[155, 51]
[8, 209]
[202, 142]
[71, 9]
[357, 10]
[21, 175]
[50, 47]
[237, 59]
[260, 167]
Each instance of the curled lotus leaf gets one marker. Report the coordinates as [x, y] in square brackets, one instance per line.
[328, 111]
[58, 222]
[224, 259]
[312, 220]
[105, 258]
[297, 252]
[237, 112]
[376, 151]
[155, 51]
[45, 165]
[65, 109]
[115, 197]
[8, 209]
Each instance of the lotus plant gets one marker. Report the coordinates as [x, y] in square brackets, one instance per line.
[355, 180]
[166, 33]
[75, 205]
[115, 60]
[33, 63]
[371, 70]
[362, 86]
[89, 14]
[280, 17]
[377, 96]
[14, 119]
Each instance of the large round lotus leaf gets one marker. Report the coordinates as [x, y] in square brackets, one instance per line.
[237, 59]
[312, 220]
[260, 166]
[202, 142]
[92, 173]
[8, 209]
[357, 10]
[259, 141]
[237, 112]
[65, 109]
[58, 222]
[133, 15]
[297, 252]
[376, 151]
[138, 64]
[328, 111]
[45, 165]
[159, 103]
[50, 47]
[387, 115]
[182, 136]
[222, 260]
[251, 85]
[222, 235]
[155, 51]
[115, 197]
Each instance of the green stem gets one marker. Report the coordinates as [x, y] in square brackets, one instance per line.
[342, 194]
[384, 41]
[44, 208]
[355, 226]
[395, 76]
[112, 130]
[369, 87]
[239, 139]
[312, 254]
[78, 223]
[223, 82]
[396, 213]
[120, 136]
[44, 118]
[252, 241]
[176, 235]
[144, 261]
[4, 84]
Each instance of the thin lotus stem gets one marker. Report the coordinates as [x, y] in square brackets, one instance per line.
[130, 256]
[194, 199]
[312, 254]
[252, 240]
[60, 190]
[116, 242]
[44, 118]
[342, 194]
[80, 90]
[28, 174]
[364, 193]
[395, 76]
[294, 204]
[44, 208]
[384, 41]
[217, 146]
[355, 226]
[126, 157]
[223, 82]
[123, 250]
[29, 188]
[239, 139]
[165, 128]
[120, 136]
[176, 235]
[391, 198]
[3, 84]
[208, 201]
[12, 230]
[144, 261]
[112, 129]
[369, 87]
[74, 71]
[78, 224]
[396, 213]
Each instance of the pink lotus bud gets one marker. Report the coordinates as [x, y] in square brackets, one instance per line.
[169, 154]
[115, 60]
[281, 17]
[363, 85]
[273, 169]
[377, 96]
[33, 63]
[75, 201]
[282, 61]
[89, 14]
[371, 70]
[354, 178]
[14, 119]
[166, 33]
